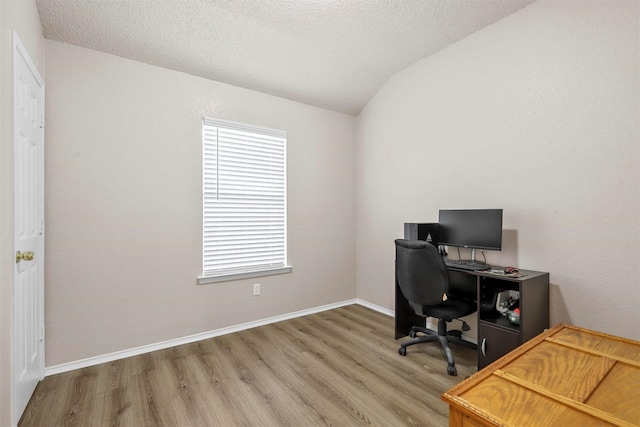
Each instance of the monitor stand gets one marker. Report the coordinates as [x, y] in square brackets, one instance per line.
[473, 257]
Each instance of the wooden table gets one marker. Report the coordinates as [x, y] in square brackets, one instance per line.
[566, 376]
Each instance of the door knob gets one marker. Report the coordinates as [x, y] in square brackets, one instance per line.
[27, 256]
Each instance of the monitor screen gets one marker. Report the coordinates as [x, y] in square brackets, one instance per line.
[471, 228]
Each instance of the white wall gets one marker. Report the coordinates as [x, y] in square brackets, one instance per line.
[21, 16]
[538, 115]
[123, 205]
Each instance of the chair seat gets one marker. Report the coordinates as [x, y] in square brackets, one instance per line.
[452, 308]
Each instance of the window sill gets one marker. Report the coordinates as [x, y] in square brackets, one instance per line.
[203, 280]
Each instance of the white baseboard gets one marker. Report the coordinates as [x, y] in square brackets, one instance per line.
[110, 357]
[377, 308]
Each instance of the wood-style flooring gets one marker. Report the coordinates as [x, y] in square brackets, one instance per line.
[338, 368]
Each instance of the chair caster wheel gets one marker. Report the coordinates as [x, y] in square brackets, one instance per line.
[412, 334]
[402, 351]
[451, 370]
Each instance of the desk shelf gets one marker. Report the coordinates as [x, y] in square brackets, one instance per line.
[501, 322]
[496, 335]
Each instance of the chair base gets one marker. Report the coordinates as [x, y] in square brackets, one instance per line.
[443, 336]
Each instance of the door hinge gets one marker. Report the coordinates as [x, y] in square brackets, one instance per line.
[41, 333]
[41, 228]
[41, 121]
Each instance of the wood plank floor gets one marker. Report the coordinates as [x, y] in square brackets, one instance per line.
[339, 367]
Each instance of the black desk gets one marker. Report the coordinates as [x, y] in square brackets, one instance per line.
[496, 335]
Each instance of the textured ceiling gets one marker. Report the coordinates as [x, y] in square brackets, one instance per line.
[333, 54]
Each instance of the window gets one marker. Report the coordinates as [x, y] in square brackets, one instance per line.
[244, 201]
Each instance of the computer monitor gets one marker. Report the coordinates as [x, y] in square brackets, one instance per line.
[471, 228]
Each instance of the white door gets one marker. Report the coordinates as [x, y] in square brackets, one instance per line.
[28, 280]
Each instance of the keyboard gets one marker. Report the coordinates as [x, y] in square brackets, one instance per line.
[466, 264]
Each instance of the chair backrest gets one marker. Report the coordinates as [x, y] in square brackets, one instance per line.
[420, 272]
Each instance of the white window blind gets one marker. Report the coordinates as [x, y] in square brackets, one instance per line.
[244, 199]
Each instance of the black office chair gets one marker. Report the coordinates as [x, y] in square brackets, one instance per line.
[424, 282]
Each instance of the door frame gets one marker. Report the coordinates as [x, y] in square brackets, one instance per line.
[19, 52]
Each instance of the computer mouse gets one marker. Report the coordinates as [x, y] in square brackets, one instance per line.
[509, 270]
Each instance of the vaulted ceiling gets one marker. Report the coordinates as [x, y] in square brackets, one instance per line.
[333, 54]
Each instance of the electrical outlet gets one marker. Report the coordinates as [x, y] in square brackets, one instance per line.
[256, 289]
